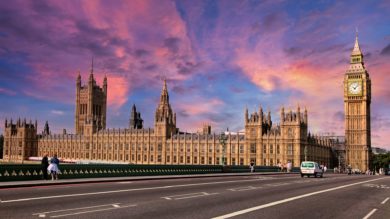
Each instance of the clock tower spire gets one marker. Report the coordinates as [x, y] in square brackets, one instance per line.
[357, 107]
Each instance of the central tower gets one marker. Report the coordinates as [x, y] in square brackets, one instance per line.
[357, 101]
[165, 119]
[91, 105]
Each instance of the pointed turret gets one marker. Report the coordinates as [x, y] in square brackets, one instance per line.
[305, 116]
[164, 99]
[246, 114]
[105, 84]
[91, 79]
[5, 123]
[46, 130]
[282, 115]
[78, 80]
[356, 49]
[356, 55]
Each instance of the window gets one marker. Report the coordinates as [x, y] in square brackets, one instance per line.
[151, 158]
[241, 161]
[233, 161]
[271, 149]
[265, 162]
[159, 147]
[241, 148]
[210, 160]
[195, 160]
[174, 159]
[271, 162]
[188, 159]
[289, 149]
[253, 148]
[181, 159]
[277, 149]
[264, 148]
[233, 148]
[168, 159]
[188, 148]
[159, 158]
[202, 160]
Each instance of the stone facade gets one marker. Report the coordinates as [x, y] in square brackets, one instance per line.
[262, 143]
[357, 101]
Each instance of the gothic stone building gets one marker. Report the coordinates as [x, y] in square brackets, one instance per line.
[262, 142]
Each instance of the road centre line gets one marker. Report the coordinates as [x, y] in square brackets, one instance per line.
[244, 188]
[370, 213]
[248, 210]
[384, 201]
[124, 190]
[70, 209]
[188, 195]
[91, 211]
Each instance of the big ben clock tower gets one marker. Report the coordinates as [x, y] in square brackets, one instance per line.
[357, 101]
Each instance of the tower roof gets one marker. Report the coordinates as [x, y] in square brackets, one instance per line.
[356, 49]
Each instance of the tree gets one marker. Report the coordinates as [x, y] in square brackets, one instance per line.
[381, 160]
[1, 146]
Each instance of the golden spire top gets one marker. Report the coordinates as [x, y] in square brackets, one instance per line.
[356, 49]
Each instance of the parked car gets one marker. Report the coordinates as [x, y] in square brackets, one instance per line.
[311, 168]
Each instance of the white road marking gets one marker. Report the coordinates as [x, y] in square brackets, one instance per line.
[124, 182]
[384, 201]
[122, 190]
[377, 186]
[42, 215]
[244, 188]
[91, 211]
[189, 195]
[277, 184]
[233, 214]
[370, 213]
[115, 206]
[72, 209]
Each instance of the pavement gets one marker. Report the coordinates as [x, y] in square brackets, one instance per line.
[28, 183]
[238, 196]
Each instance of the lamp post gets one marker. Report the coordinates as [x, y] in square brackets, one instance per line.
[222, 142]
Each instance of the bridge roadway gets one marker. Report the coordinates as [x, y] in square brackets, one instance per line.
[253, 196]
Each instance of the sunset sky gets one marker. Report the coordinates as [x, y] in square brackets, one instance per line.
[217, 57]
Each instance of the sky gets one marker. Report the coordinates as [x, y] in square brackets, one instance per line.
[218, 57]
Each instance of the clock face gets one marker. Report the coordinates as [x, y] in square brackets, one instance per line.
[355, 88]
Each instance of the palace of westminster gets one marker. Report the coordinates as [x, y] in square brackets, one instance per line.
[262, 142]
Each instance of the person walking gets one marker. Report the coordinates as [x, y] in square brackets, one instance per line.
[325, 168]
[252, 167]
[44, 166]
[53, 167]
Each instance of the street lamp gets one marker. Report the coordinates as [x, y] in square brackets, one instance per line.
[222, 142]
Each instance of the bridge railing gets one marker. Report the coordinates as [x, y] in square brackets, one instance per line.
[15, 172]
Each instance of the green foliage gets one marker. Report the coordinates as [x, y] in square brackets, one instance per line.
[381, 160]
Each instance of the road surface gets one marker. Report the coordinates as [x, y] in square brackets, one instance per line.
[254, 196]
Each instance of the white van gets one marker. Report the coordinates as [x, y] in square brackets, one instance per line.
[309, 168]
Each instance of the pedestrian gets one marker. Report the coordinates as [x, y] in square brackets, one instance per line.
[53, 167]
[289, 166]
[252, 167]
[44, 166]
[325, 168]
